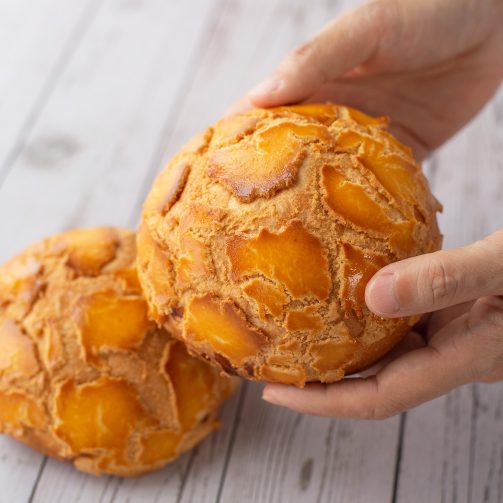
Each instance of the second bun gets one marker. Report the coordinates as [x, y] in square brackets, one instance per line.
[84, 375]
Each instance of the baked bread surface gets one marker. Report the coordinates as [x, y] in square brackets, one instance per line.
[84, 374]
[259, 236]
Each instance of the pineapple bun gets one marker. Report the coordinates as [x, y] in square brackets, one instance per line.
[84, 375]
[259, 236]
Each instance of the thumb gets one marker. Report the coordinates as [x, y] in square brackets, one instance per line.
[344, 44]
[438, 280]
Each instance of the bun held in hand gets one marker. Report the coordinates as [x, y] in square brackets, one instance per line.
[259, 236]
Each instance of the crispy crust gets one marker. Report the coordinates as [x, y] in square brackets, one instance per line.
[84, 375]
[285, 215]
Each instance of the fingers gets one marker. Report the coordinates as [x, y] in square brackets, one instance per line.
[419, 378]
[468, 349]
[378, 37]
[438, 280]
[343, 45]
[413, 378]
[484, 327]
[411, 341]
[441, 318]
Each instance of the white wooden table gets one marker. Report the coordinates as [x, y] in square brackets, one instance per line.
[94, 95]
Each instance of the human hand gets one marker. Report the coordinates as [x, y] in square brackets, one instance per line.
[462, 341]
[430, 65]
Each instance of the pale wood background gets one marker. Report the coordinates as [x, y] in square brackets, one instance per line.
[94, 95]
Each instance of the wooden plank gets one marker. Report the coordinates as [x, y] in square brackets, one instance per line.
[19, 468]
[82, 162]
[452, 446]
[262, 32]
[436, 450]
[250, 40]
[36, 40]
[468, 178]
[107, 110]
[486, 477]
[486, 455]
[280, 455]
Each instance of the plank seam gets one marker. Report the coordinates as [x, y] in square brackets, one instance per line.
[186, 474]
[235, 427]
[473, 436]
[47, 88]
[116, 490]
[398, 462]
[37, 480]
[329, 438]
[166, 131]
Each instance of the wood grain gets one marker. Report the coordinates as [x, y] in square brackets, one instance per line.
[19, 469]
[452, 446]
[235, 44]
[281, 456]
[84, 159]
[127, 70]
[95, 96]
[486, 476]
[36, 41]
[436, 450]
[486, 453]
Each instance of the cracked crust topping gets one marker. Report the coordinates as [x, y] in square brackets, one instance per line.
[286, 215]
[293, 258]
[84, 374]
[267, 161]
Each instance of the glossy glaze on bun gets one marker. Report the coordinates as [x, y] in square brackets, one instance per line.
[259, 236]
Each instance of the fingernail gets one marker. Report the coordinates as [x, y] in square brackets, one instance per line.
[266, 87]
[381, 297]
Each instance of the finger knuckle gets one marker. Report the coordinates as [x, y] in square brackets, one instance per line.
[302, 54]
[306, 59]
[494, 243]
[303, 50]
[489, 310]
[443, 285]
[381, 407]
[385, 410]
[495, 315]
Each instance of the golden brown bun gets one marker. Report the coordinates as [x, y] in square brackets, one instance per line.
[84, 375]
[258, 239]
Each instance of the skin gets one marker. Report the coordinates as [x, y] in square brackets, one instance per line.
[431, 66]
